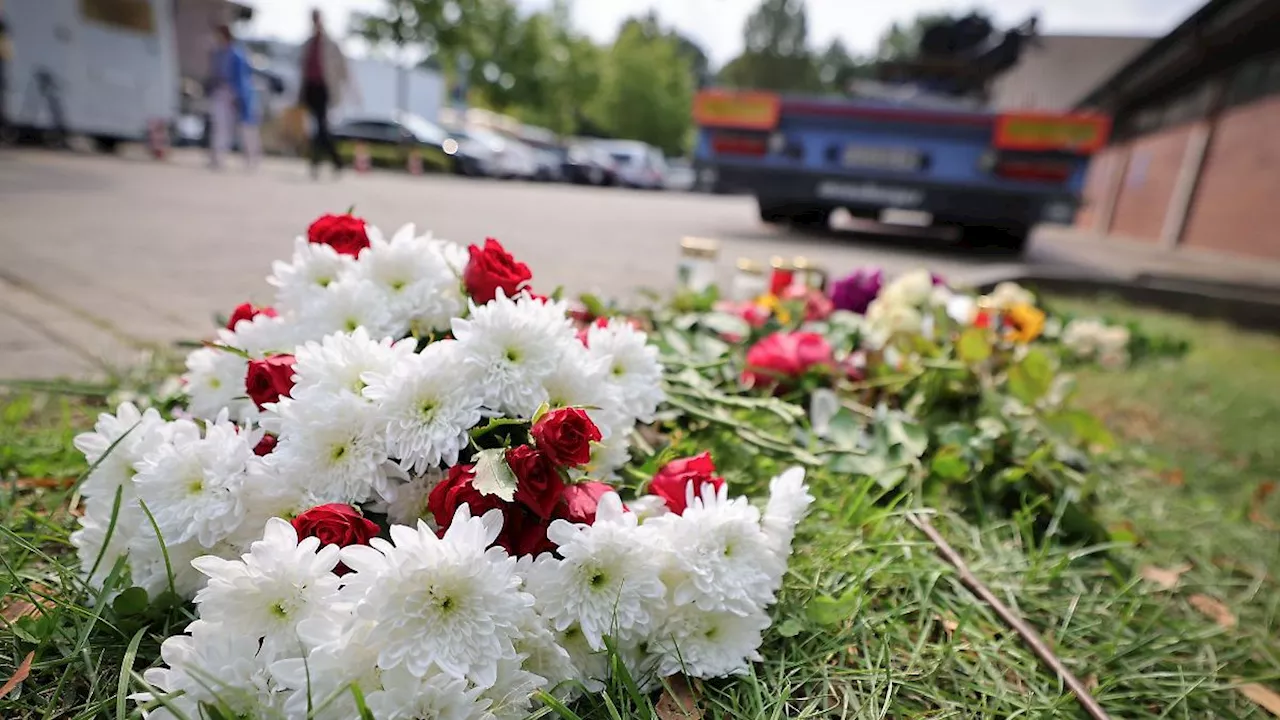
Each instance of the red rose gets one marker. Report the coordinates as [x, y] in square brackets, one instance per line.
[580, 501]
[336, 524]
[538, 483]
[265, 445]
[523, 532]
[248, 311]
[269, 379]
[565, 436]
[672, 481]
[456, 489]
[493, 268]
[344, 233]
[782, 356]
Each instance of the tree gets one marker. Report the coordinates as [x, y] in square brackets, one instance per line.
[430, 29]
[836, 67]
[902, 41]
[776, 55]
[646, 89]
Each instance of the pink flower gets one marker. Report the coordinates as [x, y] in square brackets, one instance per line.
[785, 356]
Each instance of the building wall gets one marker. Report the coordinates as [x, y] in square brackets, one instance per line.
[1058, 72]
[1237, 202]
[1147, 186]
[1099, 183]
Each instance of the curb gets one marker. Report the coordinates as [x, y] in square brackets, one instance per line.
[1250, 307]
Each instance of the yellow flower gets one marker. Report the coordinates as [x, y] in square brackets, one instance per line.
[774, 305]
[1024, 323]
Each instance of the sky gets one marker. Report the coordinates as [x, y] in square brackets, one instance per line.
[717, 24]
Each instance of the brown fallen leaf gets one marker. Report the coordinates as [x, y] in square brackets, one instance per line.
[1213, 609]
[46, 483]
[1091, 683]
[18, 675]
[1262, 696]
[1257, 513]
[1173, 477]
[679, 701]
[1166, 578]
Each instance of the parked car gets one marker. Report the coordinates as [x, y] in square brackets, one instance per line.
[639, 165]
[680, 175]
[586, 164]
[550, 163]
[511, 158]
[390, 140]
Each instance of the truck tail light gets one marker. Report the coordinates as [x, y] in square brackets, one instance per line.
[1034, 170]
[753, 144]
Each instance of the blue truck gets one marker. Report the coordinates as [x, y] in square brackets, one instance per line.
[934, 159]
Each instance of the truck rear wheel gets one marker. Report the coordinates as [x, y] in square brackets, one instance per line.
[1009, 238]
[811, 218]
[772, 211]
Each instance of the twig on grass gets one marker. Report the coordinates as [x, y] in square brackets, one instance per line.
[1029, 635]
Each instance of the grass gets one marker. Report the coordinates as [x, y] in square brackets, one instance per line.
[871, 623]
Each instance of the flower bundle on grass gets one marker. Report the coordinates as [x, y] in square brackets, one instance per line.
[401, 497]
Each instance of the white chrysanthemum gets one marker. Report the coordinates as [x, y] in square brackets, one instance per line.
[152, 562]
[455, 256]
[193, 486]
[538, 650]
[887, 318]
[510, 347]
[579, 380]
[101, 543]
[607, 582]
[405, 503]
[426, 411]
[269, 590]
[406, 696]
[719, 558]
[611, 453]
[351, 303]
[633, 368]
[214, 381]
[590, 666]
[789, 500]
[336, 364]
[911, 289]
[1008, 294]
[212, 665]
[339, 657]
[708, 644]
[115, 445]
[308, 275]
[423, 292]
[455, 591]
[267, 494]
[262, 335]
[648, 506]
[331, 446]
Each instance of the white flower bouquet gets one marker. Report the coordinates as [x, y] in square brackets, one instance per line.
[392, 491]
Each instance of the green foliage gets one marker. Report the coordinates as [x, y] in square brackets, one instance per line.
[646, 89]
[776, 53]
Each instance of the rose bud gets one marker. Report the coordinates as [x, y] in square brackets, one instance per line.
[248, 311]
[344, 233]
[538, 483]
[336, 524]
[564, 436]
[493, 268]
[269, 379]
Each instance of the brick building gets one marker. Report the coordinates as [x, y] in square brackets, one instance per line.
[1194, 161]
[1057, 71]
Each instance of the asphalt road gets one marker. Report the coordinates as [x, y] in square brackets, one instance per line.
[99, 255]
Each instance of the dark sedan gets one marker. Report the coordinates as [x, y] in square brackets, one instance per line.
[390, 140]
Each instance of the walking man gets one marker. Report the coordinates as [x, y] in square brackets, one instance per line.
[324, 77]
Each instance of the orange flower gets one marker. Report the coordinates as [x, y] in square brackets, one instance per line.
[1023, 323]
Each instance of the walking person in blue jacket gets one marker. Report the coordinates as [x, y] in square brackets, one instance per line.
[232, 100]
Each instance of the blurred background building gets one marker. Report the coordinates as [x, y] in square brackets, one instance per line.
[1056, 71]
[1195, 156]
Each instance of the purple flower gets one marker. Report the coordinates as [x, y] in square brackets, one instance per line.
[856, 291]
[938, 280]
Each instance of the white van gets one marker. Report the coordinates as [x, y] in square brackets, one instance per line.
[109, 66]
[639, 165]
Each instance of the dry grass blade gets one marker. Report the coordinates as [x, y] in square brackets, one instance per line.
[1166, 578]
[44, 483]
[1213, 609]
[679, 701]
[1262, 696]
[1257, 513]
[18, 675]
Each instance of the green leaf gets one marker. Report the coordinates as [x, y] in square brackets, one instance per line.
[790, 628]
[973, 346]
[725, 324]
[1082, 426]
[827, 610]
[910, 436]
[593, 305]
[948, 464]
[493, 476]
[1030, 379]
[132, 601]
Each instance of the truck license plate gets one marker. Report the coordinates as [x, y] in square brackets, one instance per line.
[883, 158]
